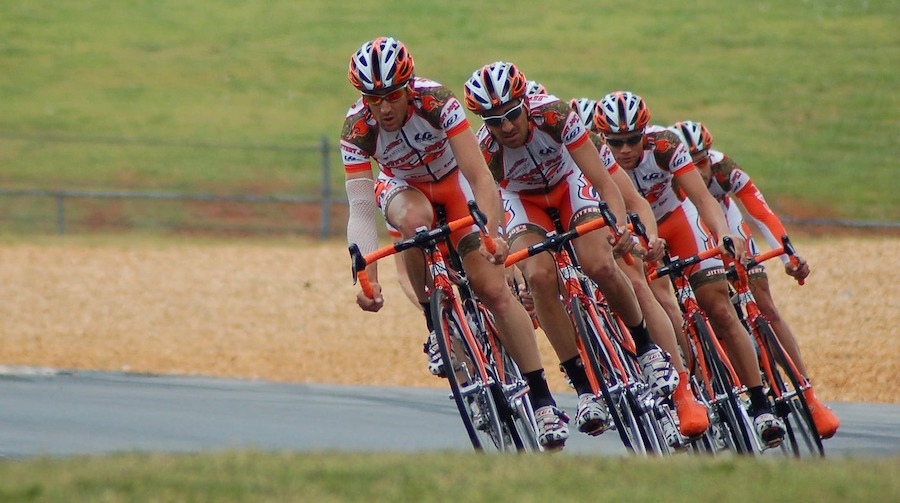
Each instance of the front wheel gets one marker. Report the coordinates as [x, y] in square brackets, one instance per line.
[790, 404]
[469, 385]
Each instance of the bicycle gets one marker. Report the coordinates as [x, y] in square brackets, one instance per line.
[485, 382]
[605, 347]
[713, 379]
[785, 384]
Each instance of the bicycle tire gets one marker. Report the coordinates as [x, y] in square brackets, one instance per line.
[617, 401]
[510, 389]
[791, 405]
[727, 403]
[645, 410]
[462, 367]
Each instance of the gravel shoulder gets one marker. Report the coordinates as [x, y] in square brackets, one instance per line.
[286, 312]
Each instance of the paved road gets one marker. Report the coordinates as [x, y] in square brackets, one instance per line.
[43, 412]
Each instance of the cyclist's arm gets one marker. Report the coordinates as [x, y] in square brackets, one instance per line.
[471, 164]
[691, 183]
[588, 160]
[636, 203]
[762, 215]
[361, 228]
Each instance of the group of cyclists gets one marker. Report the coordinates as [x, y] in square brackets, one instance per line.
[533, 152]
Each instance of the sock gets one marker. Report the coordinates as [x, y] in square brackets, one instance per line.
[426, 308]
[758, 401]
[641, 337]
[574, 368]
[539, 391]
[682, 391]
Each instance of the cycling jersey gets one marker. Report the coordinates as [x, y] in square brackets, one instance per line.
[542, 173]
[664, 159]
[414, 156]
[544, 160]
[419, 151]
[727, 177]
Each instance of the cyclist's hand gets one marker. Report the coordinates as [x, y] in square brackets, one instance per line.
[797, 271]
[526, 299]
[373, 305]
[622, 244]
[655, 250]
[500, 252]
[740, 247]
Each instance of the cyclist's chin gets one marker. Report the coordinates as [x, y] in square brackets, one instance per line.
[627, 162]
[390, 124]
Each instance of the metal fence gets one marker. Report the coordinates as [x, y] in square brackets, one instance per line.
[323, 198]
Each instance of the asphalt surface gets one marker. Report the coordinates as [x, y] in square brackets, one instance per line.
[47, 412]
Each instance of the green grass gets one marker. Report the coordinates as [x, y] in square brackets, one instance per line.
[249, 476]
[803, 94]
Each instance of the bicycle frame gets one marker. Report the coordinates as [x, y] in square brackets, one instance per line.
[450, 317]
[708, 361]
[621, 389]
[772, 354]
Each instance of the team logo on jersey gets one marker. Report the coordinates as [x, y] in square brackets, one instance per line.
[549, 117]
[358, 130]
[547, 152]
[430, 103]
[424, 137]
[662, 145]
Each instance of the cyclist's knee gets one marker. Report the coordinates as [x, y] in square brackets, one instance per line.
[602, 268]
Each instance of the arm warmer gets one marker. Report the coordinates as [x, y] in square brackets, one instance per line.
[361, 222]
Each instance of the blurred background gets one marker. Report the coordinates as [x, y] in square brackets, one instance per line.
[223, 117]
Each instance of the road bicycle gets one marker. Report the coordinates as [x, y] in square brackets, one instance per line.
[485, 383]
[785, 385]
[712, 376]
[605, 347]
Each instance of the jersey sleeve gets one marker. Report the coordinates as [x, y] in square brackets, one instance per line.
[356, 134]
[759, 211]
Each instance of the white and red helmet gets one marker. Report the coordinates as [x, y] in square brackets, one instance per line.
[494, 85]
[535, 87]
[621, 112]
[382, 63]
[584, 108]
[695, 135]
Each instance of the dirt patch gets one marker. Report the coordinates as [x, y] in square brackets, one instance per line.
[285, 312]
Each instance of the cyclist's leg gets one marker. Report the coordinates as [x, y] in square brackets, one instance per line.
[406, 209]
[662, 291]
[827, 423]
[759, 285]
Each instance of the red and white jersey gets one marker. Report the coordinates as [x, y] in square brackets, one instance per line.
[727, 178]
[664, 158]
[420, 150]
[544, 160]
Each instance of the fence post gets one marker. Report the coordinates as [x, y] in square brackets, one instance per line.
[60, 213]
[326, 190]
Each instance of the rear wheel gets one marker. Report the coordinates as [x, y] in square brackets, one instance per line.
[465, 373]
[728, 407]
[801, 438]
[511, 390]
[611, 387]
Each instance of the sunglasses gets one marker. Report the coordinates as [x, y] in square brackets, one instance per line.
[618, 142]
[510, 115]
[391, 97]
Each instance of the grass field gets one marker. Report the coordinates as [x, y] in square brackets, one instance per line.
[234, 97]
[259, 477]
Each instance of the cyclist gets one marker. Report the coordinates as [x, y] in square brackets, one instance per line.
[542, 158]
[655, 159]
[417, 132]
[692, 415]
[725, 178]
